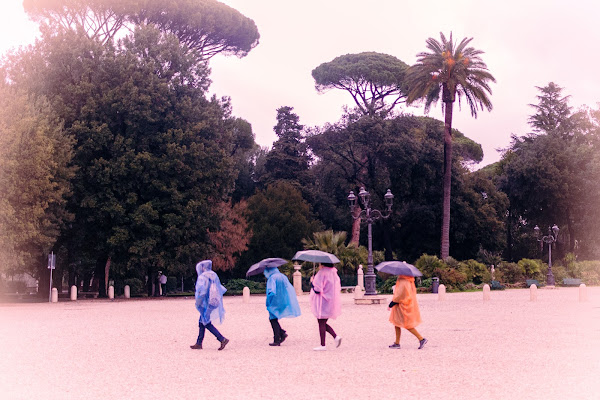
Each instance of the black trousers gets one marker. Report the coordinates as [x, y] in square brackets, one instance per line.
[278, 331]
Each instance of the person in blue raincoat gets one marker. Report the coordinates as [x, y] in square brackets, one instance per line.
[281, 302]
[209, 303]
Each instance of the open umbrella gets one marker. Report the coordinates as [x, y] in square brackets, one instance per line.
[398, 268]
[260, 266]
[316, 256]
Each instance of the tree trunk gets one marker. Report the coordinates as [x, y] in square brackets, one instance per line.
[99, 277]
[571, 233]
[106, 269]
[355, 239]
[445, 242]
[509, 237]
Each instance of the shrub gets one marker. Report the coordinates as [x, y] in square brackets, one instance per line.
[387, 286]
[450, 276]
[532, 269]
[560, 273]
[509, 273]
[136, 286]
[236, 286]
[476, 272]
[171, 283]
[590, 272]
[428, 265]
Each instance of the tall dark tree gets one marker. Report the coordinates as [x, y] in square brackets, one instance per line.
[288, 159]
[446, 72]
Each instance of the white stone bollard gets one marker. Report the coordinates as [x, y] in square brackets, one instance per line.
[486, 292]
[358, 292]
[442, 292]
[127, 291]
[297, 278]
[360, 277]
[73, 293]
[533, 292]
[246, 294]
[54, 295]
[583, 293]
[111, 292]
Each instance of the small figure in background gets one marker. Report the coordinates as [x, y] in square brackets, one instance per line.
[209, 303]
[405, 310]
[163, 284]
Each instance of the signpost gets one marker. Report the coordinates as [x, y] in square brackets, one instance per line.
[51, 266]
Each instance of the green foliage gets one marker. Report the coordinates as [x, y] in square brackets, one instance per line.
[387, 286]
[35, 157]
[451, 277]
[590, 272]
[374, 80]
[532, 269]
[508, 272]
[172, 284]
[279, 219]
[136, 286]
[236, 286]
[476, 272]
[428, 265]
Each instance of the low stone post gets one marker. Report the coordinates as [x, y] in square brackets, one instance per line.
[111, 292]
[360, 277]
[442, 292]
[486, 292]
[359, 292]
[297, 278]
[54, 295]
[127, 291]
[533, 292]
[246, 294]
[73, 293]
[582, 293]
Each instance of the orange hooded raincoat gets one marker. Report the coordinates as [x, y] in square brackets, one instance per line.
[406, 313]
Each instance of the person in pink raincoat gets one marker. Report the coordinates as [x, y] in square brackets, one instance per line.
[326, 301]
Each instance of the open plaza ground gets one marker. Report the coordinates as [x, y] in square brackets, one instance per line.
[506, 348]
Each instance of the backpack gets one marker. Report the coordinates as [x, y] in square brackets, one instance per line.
[213, 295]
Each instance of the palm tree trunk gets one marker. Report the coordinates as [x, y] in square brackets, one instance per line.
[445, 242]
[355, 238]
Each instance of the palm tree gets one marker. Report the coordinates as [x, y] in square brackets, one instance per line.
[450, 71]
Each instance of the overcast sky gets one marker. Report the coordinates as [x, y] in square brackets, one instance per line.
[526, 43]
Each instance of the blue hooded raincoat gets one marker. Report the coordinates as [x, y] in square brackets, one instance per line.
[206, 278]
[281, 296]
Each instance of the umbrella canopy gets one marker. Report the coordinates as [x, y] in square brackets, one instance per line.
[316, 256]
[398, 268]
[260, 266]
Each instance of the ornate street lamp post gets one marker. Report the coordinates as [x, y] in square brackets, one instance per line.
[370, 215]
[550, 238]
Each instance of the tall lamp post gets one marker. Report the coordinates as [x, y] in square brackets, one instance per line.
[550, 238]
[370, 215]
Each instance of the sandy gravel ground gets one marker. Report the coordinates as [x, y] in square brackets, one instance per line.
[505, 348]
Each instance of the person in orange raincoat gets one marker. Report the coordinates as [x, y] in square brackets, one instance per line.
[405, 310]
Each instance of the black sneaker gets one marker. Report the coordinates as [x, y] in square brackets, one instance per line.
[223, 344]
[394, 346]
[283, 337]
[275, 344]
[422, 343]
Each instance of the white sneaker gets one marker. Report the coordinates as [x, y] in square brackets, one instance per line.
[320, 348]
[338, 341]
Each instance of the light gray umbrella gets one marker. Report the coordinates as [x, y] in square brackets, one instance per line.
[316, 256]
[260, 266]
[398, 268]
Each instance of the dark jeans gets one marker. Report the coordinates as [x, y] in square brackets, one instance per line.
[324, 327]
[211, 329]
[164, 289]
[277, 330]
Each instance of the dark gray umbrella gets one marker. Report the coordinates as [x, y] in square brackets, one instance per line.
[398, 268]
[316, 256]
[260, 266]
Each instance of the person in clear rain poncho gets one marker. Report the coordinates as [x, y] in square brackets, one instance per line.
[209, 303]
[404, 310]
[325, 301]
[281, 302]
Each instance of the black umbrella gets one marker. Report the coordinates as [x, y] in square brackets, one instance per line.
[260, 266]
[398, 268]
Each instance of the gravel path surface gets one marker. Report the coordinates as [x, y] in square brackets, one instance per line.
[506, 348]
